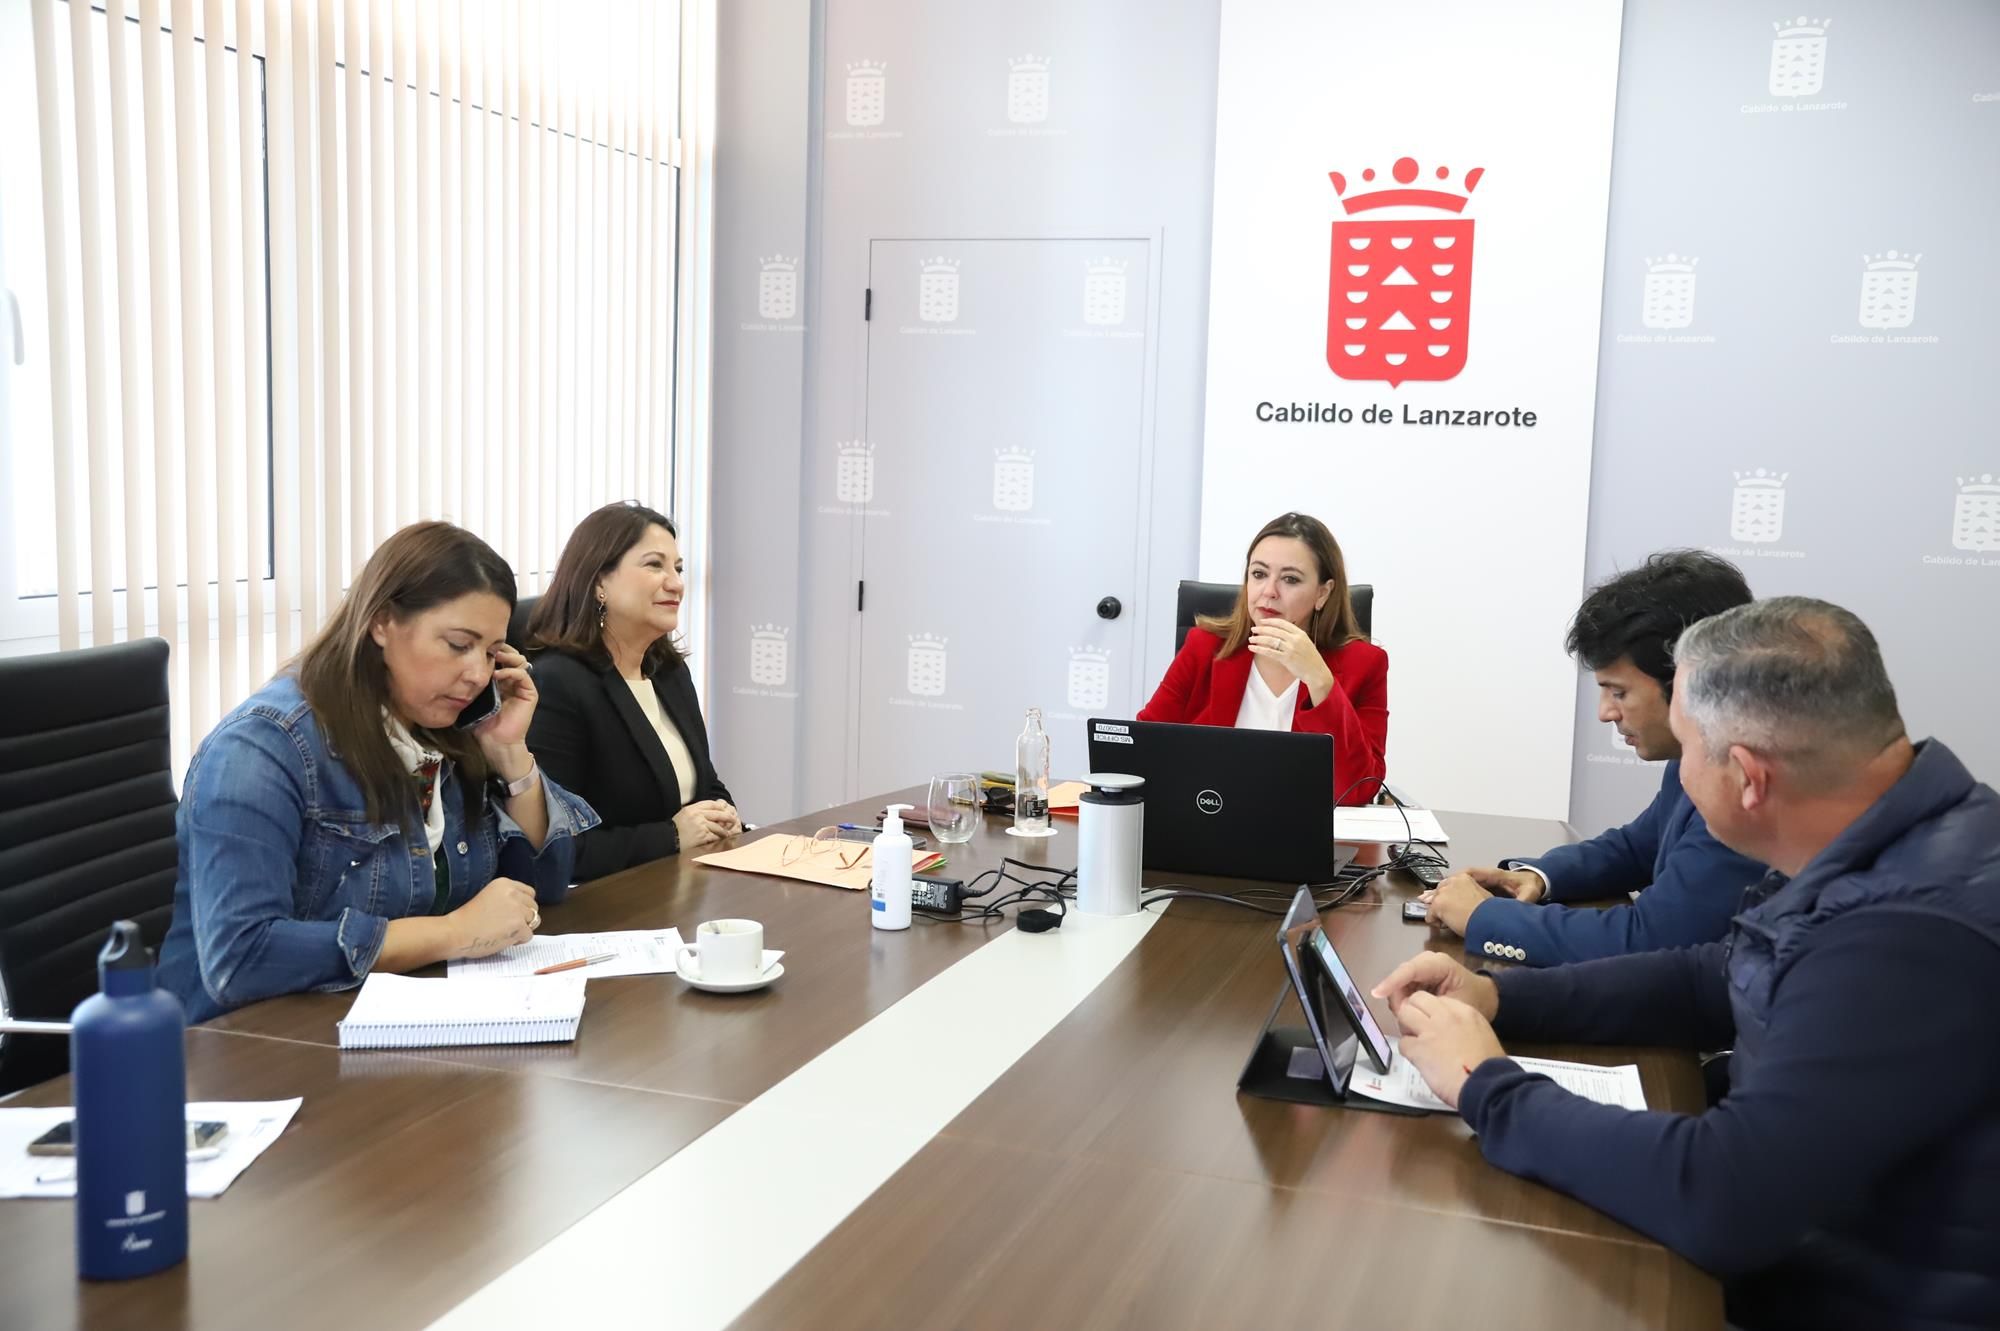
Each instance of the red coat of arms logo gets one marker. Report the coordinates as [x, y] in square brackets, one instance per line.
[1400, 291]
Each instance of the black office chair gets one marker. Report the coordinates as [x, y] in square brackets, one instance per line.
[86, 829]
[1219, 598]
[517, 627]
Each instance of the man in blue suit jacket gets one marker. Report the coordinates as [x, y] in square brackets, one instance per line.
[1689, 884]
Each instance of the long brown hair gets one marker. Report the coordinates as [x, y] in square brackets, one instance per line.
[345, 679]
[1331, 626]
[567, 616]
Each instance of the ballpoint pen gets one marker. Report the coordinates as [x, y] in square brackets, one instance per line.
[575, 962]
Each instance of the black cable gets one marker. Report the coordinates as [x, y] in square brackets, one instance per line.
[1346, 885]
[1325, 896]
[1000, 874]
[1027, 892]
[1177, 895]
[1405, 856]
[1362, 781]
[972, 912]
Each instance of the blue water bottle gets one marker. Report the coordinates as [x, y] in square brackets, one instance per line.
[126, 1065]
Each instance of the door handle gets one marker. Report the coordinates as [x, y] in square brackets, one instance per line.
[1109, 608]
[20, 337]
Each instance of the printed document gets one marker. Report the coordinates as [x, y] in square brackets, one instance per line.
[1403, 1085]
[253, 1126]
[633, 952]
[1384, 823]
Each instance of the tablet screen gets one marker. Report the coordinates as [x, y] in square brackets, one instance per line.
[1303, 919]
[1337, 987]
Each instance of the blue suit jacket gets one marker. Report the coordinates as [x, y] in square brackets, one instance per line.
[1692, 885]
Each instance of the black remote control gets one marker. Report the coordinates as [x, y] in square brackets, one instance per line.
[1430, 875]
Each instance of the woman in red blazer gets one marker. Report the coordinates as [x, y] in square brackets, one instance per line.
[1290, 656]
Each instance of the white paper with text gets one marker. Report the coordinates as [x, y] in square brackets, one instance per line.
[1403, 1085]
[633, 952]
[253, 1126]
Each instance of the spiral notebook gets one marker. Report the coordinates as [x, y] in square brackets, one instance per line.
[401, 1012]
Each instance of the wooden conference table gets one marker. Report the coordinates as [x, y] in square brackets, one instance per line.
[1110, 1177]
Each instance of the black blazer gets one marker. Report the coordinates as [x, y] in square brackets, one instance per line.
[592, 738]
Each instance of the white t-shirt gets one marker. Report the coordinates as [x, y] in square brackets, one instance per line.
[670, 736]
[1265, 710]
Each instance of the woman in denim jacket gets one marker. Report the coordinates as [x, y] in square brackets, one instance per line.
[339, 822]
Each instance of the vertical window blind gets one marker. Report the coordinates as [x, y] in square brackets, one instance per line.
[316, 269]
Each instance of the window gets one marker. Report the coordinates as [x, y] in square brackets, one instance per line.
[430, 270]
[27, 447]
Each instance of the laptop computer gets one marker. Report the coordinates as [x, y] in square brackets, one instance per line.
[1233, 803]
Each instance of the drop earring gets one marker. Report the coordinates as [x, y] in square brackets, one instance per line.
[602, 605]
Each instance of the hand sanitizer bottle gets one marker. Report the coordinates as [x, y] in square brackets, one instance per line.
[889, 894]
[1031, 778]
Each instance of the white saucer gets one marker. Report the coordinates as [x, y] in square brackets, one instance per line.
[1016, 831]
[776, 969]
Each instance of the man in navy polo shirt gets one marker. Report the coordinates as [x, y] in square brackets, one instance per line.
[1847, 1179]
[1688, 883]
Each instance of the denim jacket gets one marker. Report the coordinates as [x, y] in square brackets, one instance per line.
[286, 886]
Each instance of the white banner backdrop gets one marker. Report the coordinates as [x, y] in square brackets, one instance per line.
[1410, 212]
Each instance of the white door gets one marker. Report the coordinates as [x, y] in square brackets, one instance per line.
[997, 485]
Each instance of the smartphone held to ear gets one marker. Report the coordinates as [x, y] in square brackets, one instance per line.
[486, 705]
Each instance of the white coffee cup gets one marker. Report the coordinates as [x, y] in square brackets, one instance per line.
[724, 952]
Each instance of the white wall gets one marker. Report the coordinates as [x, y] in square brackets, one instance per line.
[1874, 432]
[763, 181]
[1127, 151]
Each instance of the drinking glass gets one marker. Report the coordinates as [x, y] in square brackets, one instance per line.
[953, 804]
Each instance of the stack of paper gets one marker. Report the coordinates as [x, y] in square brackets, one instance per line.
[400, 1012]
[1403, 1085]
[632, 952]
[1386, 823]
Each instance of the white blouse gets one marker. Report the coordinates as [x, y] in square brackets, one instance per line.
[670, 735]
[413, 756]
[1265, 710]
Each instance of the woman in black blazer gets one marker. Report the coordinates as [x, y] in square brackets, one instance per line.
[619, 723]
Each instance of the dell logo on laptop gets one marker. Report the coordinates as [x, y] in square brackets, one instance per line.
[1208, 802]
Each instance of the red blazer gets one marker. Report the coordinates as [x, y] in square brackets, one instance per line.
[1204, 690]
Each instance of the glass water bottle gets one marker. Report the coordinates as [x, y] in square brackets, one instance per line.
[1031, 776]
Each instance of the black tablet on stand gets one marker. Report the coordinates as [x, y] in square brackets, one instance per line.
[1314, 1065]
